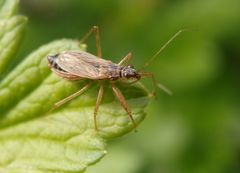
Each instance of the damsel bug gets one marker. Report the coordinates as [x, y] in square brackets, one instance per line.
[78, 65]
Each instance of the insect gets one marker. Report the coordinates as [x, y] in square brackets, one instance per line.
[79, 65]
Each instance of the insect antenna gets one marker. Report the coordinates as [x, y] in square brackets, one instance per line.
[163, 47]
[155, 83]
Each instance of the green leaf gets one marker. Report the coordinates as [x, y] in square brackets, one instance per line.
[11, 32]
[64, 140]
[35, 140]
[10, 36]
[28, 75]
[8, 8]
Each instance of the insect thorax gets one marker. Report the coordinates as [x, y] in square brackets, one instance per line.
[112, 72]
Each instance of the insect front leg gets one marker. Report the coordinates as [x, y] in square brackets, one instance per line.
[126, 59]
[123, 102]
[98, 102]
[69, 98]
[154, 82]
[94, 29]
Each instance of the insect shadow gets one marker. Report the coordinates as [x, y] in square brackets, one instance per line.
[79, 65]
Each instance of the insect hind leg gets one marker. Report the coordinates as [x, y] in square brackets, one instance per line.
[95, 30]
[71, 97]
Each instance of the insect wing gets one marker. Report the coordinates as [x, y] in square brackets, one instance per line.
[82, 64]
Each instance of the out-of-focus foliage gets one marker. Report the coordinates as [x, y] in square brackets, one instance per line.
[195, 130]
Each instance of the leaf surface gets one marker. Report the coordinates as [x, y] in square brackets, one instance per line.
[12, 28]
[35, 140]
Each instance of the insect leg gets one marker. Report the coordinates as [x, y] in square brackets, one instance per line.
[125, 60]
[94, 29]
[155, 84]
[98, 102]
[123, 102]
[69, 98]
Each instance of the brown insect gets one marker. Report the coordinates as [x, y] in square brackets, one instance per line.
[78, 65]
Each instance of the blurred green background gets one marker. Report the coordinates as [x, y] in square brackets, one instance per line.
[197, 130]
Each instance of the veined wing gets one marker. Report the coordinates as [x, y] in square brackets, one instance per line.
[83, 64]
